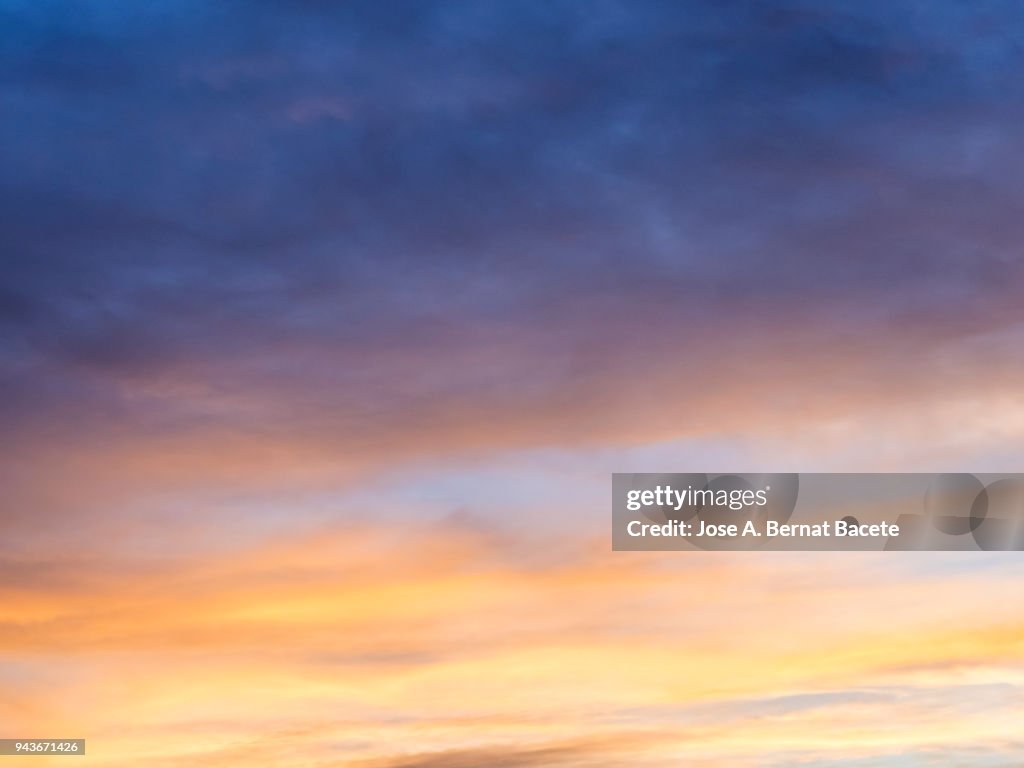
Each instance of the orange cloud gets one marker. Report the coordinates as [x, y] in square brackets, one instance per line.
[354, 645]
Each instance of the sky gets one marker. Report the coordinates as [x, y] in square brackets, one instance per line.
[323, 325]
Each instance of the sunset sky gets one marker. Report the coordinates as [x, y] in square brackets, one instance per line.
[324, 325]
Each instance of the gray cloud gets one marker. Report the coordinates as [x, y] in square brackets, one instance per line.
[291, 203]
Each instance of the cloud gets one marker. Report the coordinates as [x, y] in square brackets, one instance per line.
[460, 641]
[261, 259]
[546, 200]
